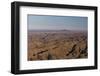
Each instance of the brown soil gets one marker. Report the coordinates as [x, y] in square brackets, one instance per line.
[50, 45]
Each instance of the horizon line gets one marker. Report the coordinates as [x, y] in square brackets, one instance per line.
[61, 29]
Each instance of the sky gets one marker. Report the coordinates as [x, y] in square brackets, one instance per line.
[47, 22]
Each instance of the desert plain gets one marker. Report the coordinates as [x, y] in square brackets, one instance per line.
[57, 44]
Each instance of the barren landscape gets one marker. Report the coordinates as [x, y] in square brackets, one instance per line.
[57, 44]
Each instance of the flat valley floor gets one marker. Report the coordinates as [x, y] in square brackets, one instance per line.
[57, 44]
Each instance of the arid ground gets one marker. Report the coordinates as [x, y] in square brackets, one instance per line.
[57, 44]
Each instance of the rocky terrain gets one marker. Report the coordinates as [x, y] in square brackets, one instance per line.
[57, 44]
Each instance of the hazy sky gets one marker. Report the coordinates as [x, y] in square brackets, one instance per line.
[42, 22]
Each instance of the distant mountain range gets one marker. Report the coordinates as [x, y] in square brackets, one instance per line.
[63, 30]
[49, 30]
